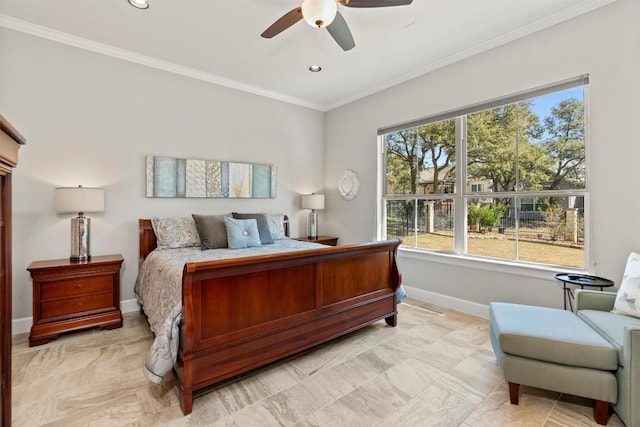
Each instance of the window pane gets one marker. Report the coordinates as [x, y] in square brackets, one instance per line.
[529, 146]
[431, 226]
[490, 232]
[561, 116]
[402, 163]
[435, 225]
[552, 231]
[500, 153]
[437, 142]
[548, 230]
[401, 221]
[421, 160]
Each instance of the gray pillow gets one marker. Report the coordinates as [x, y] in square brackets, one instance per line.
[263, 225]
[212, 231]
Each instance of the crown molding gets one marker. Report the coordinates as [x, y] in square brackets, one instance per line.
[127, 55]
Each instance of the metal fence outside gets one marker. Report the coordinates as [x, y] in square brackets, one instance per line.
[530, 225]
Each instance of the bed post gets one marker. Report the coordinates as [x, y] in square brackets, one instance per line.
[392, 320]
[187, 341]
[185, 388]
[396, 278]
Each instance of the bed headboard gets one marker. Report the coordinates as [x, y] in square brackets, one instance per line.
[147, 238]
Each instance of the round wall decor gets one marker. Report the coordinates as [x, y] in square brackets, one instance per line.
[348, 184]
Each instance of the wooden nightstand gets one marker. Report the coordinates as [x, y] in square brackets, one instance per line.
[324, 240]
[69, 296]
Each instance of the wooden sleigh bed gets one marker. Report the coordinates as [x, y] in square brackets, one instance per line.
[242, 313]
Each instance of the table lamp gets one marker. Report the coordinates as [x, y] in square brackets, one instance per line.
[79, 200]
[313, 202]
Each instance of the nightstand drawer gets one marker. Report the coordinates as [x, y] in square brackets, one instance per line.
[76, 305]
[76, 287]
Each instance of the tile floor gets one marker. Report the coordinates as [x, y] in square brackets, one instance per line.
[436, 368]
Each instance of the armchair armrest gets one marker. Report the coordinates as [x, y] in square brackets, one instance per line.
[631, 345]
[594, 300]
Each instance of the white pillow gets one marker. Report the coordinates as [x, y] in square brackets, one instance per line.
[276, 226]
[628, 297]
[174, 233]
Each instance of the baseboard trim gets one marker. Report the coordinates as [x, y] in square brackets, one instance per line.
[447, 301]
[21, 326]
[129, 306]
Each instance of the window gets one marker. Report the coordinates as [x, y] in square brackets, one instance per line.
[505, 179]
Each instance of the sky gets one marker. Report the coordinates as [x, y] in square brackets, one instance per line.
[542, 105]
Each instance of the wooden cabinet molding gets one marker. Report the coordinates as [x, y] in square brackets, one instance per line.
[10, 142]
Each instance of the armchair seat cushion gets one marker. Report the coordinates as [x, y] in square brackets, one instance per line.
[550, 335]
[610, 326]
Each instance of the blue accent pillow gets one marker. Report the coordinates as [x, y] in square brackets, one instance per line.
[242, 233]
[263, 225]
[401, 294]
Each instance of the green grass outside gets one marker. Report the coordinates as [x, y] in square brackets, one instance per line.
[541, 252]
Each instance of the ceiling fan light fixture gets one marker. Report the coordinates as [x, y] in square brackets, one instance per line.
[319, 13]
[140, 4]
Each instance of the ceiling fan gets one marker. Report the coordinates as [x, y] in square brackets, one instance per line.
[324, 14]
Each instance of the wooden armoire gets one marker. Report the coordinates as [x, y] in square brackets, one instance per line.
[10, 141]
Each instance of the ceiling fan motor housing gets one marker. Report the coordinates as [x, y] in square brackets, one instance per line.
[319, 13]
[324, 14]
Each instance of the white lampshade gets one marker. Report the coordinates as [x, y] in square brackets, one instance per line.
[319, 13]
[313, 201]
[79, 199]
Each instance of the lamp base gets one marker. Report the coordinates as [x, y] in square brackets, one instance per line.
[80, 227]
[312, 229]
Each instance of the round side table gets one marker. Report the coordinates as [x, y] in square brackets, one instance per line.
[581, 280]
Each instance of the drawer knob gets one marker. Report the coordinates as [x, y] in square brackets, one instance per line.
[79, 304]
[79, 285]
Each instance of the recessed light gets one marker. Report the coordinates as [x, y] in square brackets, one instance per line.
[140, 4]
[315, 68]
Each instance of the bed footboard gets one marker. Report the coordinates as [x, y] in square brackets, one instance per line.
[244, 313]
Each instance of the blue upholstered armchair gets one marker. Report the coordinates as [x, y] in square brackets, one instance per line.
[622, 332]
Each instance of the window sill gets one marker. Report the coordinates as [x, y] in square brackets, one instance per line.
[489, 264]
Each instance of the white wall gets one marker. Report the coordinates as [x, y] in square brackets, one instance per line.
[604, 44]
[91, 119]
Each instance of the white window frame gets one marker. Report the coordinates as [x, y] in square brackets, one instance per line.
[461, 194]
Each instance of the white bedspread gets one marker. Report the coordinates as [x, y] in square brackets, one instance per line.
[158, 289]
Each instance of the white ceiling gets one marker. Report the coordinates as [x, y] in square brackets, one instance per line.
[219, 41]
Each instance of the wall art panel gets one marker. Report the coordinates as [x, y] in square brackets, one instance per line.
[173, 177]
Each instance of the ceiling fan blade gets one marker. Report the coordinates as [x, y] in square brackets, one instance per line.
[340, 32]
[287, 20]
[374, 3]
